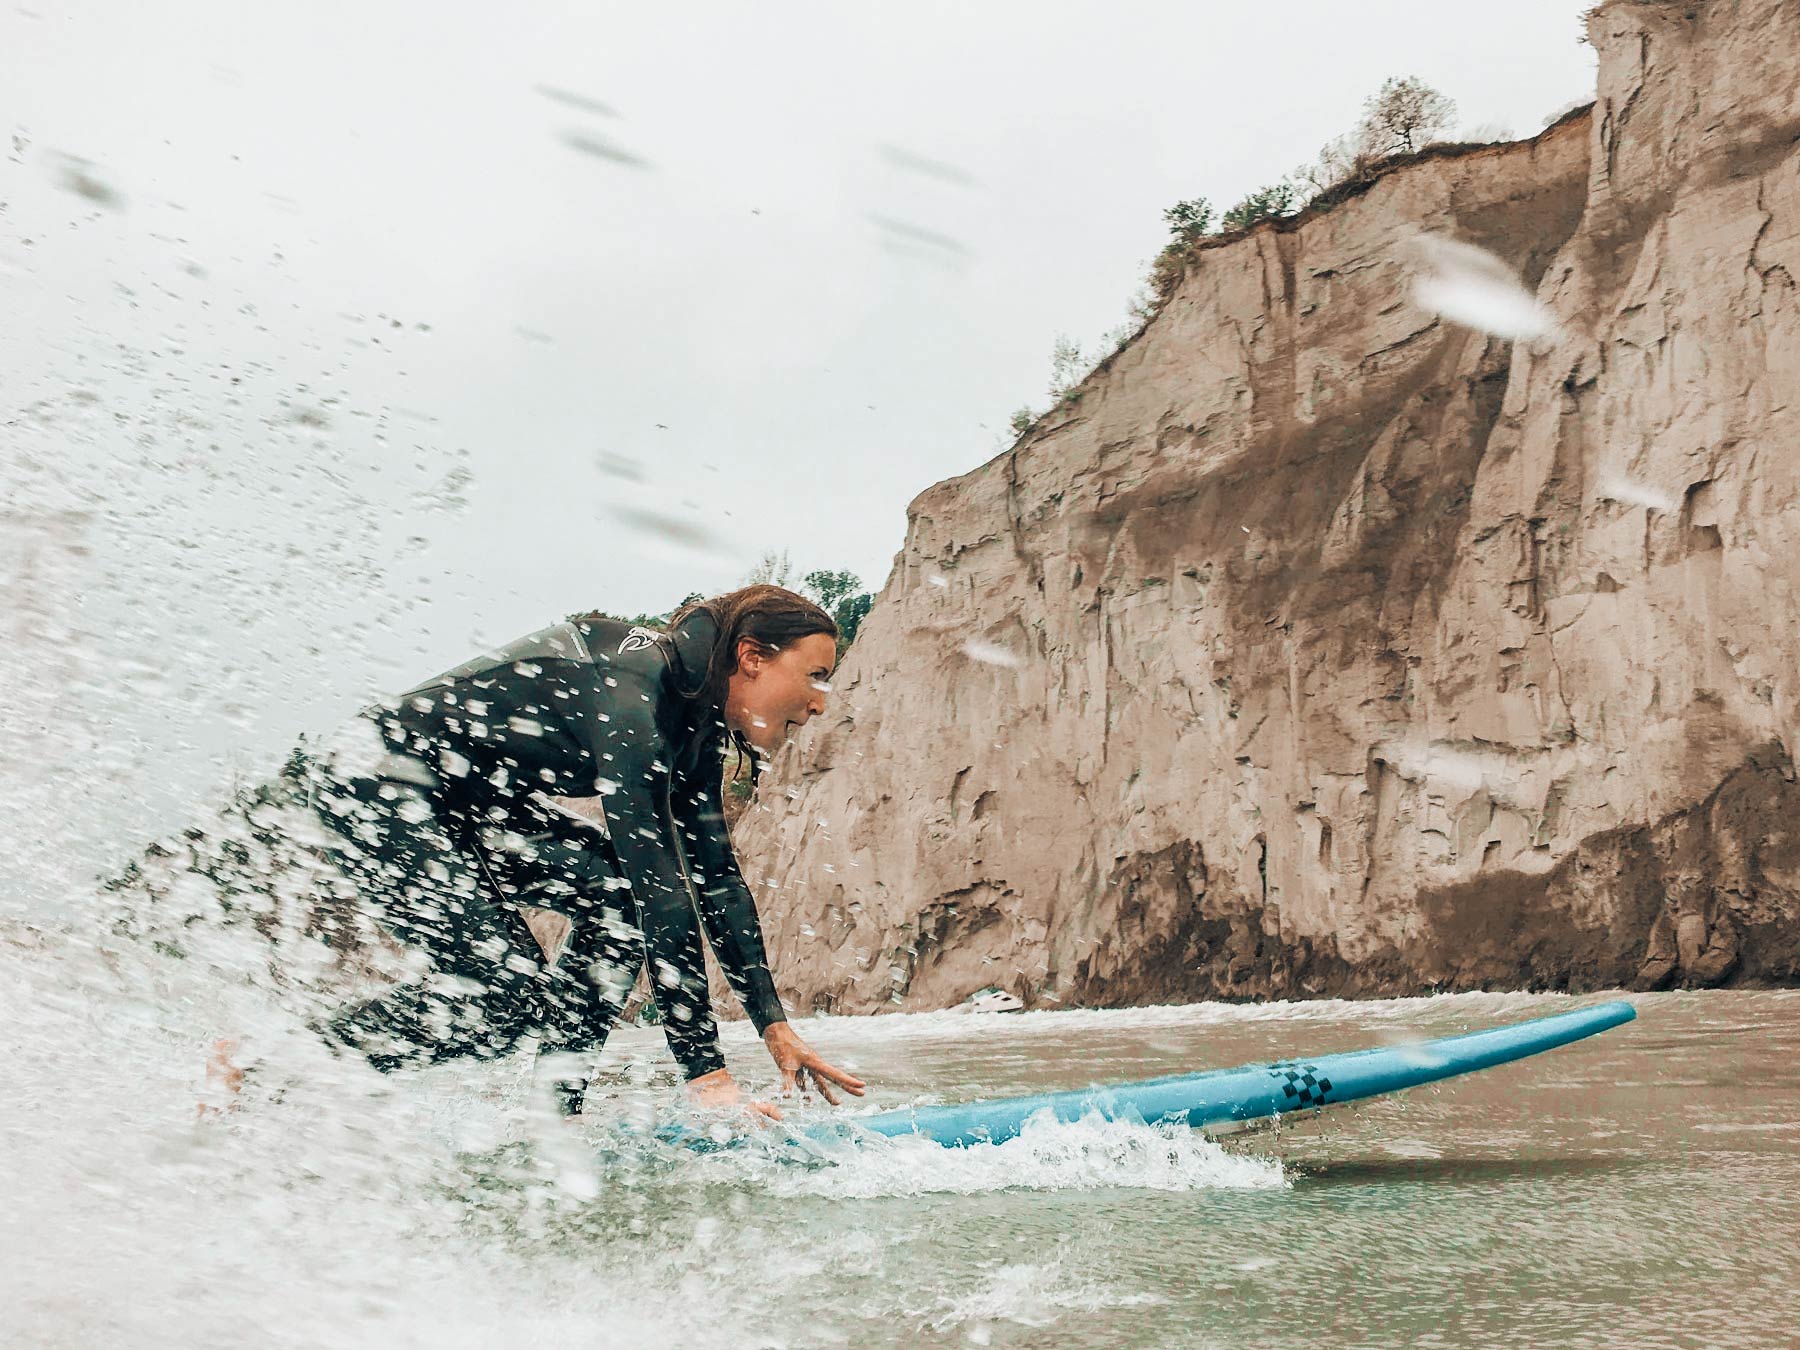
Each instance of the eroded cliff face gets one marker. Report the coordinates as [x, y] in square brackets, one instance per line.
[1359, 652]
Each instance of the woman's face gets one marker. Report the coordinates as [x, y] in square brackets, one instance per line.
[770, 695]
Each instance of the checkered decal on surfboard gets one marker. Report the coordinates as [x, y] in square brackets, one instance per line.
[1302, 1084]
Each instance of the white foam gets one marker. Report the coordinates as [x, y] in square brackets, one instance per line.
[1759, 1127]
[1030, 1294]
[1087, 1154]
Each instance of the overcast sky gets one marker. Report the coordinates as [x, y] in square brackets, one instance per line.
[473, 266]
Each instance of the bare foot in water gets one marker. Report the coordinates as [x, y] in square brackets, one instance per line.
[224, 1080]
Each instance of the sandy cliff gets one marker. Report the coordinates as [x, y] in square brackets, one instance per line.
[1357, 651]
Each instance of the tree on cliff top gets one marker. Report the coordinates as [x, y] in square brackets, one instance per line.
[1068, 367]
[1406, 115]
[1403, 116]
[1189, 220]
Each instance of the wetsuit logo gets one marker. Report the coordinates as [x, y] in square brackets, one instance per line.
[638, 639]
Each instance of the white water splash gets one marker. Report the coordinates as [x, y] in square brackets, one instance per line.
[1470, 286]
[1414, 1048]
[1047, 1155]
[296, 1222]
[1030, 1294]
[990, 653]
[1629, 492]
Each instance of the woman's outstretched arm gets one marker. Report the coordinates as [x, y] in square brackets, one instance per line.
[729, 911]
[727, 907]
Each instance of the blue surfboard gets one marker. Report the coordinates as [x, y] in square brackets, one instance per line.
[1230, 1099]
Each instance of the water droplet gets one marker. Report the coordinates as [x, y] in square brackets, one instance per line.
[990, 653]
[1471, 286]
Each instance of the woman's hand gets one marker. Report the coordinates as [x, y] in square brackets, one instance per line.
[718, 1088]
[799, 1065]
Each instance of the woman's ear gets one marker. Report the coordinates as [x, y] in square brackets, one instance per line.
[750, 657]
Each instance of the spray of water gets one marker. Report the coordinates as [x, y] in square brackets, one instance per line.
[1470, 286]
[990, 653]
[1628, 491]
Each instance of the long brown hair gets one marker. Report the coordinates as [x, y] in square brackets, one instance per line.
[770, 616]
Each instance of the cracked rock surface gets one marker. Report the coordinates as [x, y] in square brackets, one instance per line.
[1322, 646]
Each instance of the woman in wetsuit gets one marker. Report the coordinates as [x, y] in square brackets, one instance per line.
[457, 815]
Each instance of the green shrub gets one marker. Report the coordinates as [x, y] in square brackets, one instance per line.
[1264, 204]
[1189, 220]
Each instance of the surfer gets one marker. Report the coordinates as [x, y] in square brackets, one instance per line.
[577, 773]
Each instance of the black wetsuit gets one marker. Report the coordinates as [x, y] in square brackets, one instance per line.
[450, 826]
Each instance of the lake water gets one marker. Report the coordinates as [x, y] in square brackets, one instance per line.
[1641, 1188]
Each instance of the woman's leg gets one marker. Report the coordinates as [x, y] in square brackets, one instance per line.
[431, 893]
[571, 870]
[589, 987]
